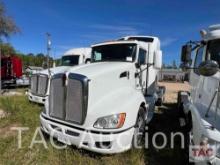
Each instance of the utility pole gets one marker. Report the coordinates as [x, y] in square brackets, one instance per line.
[48, 51]
[0, 72]
[48, 48]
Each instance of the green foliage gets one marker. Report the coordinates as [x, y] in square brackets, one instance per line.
[7, 49]
[29, 59]
[34, 59]
[58, 62]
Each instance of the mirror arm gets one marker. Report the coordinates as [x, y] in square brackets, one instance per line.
[148, 65]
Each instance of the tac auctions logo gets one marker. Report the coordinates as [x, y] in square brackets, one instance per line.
[202, 152]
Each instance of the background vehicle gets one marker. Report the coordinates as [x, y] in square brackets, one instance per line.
[200, 107]
[11, 69]
[104, 106]
[40, 82]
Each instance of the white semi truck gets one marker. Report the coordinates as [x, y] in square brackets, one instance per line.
[104, 106]
[40, 82]
[201, 107]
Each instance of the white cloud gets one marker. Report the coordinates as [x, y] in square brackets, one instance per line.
[119, 29]
[167, 41]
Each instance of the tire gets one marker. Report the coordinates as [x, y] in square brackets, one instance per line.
[45, 135]
[88, 61]
[180, 105]
[189, 136]
[159, 102]
[189, 124]
[138, 137]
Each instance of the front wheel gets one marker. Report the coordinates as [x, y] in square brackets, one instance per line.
[138, 137]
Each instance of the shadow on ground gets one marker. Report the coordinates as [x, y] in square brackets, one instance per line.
[166, 120]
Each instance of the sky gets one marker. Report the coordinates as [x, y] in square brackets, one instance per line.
[81, 23]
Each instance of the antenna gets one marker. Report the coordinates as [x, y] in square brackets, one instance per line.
[48, 51]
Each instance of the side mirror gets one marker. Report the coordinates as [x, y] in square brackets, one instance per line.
[186, 53]
[137, 65]
[141, 60]
[208, 68]
[158, 59]
[186, 60]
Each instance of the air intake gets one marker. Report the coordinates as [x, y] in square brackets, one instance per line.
[39, 83]
[69, 102]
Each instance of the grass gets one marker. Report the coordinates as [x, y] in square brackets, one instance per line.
[25, 114]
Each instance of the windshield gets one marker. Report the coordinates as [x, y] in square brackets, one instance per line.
[70, 60]
[114, 52]
[214, 50]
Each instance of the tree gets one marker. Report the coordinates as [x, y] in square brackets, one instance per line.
[174, 64]
[7, 28]
[164, 66]
[7, 49]
[7, 24]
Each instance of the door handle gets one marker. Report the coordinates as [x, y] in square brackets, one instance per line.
[124, 74]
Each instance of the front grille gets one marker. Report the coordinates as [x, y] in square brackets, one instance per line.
[34, 84]
[39, 83]
[56, 97]
[69, 102]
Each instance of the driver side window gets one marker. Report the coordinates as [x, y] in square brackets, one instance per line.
[198, 59]
[142, 57]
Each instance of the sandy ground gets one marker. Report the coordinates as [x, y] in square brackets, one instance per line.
[172, 89]
[12, 93]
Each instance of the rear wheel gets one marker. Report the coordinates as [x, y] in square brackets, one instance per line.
[159, 102]
[139, 132]
[180, 105]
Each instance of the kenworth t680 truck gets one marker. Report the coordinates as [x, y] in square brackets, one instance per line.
[40, 82]
[104, 106]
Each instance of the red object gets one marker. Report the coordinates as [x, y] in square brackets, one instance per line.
[11, 68]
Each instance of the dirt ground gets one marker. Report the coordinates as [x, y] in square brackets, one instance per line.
[172, 88]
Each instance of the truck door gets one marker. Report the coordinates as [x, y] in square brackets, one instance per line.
[142, 76]
[211, 85]
[196, 80]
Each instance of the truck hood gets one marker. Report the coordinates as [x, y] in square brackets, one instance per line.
[55, 70]
[100, 69]
[106, 87]
[108, 92]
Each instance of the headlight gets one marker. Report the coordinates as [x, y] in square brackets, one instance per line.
[111, 122]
